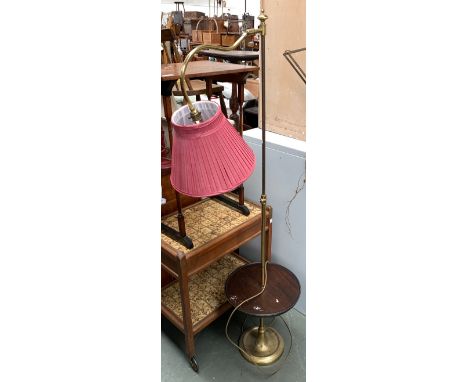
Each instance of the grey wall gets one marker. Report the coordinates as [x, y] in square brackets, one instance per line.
[285, 174]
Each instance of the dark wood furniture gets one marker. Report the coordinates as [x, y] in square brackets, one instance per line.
[235, 57]
[281, 293]
[209, 71]
[169, 194]
[196, 296]
[196, 87]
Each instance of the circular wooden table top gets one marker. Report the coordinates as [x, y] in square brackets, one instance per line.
[280, 295]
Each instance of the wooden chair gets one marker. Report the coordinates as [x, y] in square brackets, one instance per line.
[196, 88]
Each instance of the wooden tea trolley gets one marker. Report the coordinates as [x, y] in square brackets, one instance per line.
[196, 298]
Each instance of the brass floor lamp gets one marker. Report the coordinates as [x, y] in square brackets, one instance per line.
[259, 289]
[262, 289]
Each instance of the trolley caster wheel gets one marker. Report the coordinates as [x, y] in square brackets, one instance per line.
[194, 364]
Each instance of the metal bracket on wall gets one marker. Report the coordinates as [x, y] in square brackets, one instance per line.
[288, 56]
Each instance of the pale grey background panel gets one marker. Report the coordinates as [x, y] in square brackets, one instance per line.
[285, 180]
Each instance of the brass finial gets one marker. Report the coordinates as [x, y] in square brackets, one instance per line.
[262, 17]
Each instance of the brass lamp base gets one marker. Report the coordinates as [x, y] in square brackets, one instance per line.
[261, 349]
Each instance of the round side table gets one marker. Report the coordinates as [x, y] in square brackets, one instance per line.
[262, 345]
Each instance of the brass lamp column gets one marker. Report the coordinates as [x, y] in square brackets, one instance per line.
[262, 345]
[262, 289]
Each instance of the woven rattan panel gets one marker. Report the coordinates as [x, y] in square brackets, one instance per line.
[207, 220]
[206, 289]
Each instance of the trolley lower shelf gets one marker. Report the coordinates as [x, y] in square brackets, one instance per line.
[206, 290]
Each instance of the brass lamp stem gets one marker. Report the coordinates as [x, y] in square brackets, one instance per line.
[195, 114]
[263, 198]
[260, 345]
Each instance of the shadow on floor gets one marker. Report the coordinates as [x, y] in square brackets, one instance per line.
[219, 360]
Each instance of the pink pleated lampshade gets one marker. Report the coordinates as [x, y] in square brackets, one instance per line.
[208, 158]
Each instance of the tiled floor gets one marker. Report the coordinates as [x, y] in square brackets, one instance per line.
[220, 361]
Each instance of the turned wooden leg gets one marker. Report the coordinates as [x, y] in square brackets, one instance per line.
[241, 108]
[186, 312]
[168, 113]
[234, 104]
[223, 104]
[209, 88]
[240, 190]
[180, 215]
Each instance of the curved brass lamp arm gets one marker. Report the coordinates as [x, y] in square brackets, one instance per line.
[194, 113]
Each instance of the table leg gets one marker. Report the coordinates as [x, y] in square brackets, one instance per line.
[181, 235]
[241, 107]
[168, 113]
[180, 215]
[234, 104]
[223, 104]
[209, 88]
[186, 312]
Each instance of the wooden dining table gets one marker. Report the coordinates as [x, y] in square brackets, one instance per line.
[209, 71]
